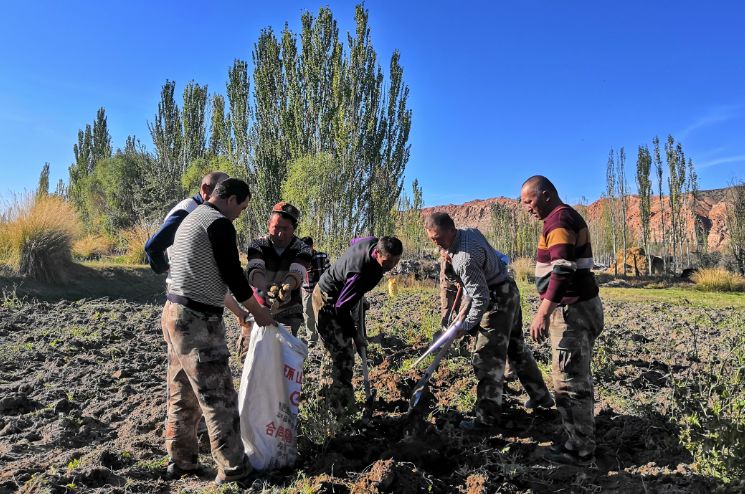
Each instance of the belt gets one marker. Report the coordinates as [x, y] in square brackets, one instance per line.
[194, 305]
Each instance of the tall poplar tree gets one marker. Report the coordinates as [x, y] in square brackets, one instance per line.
[622, 193]
[662, 225]
[644, 187]
[168, 138]
[610, 191]
[194, 123]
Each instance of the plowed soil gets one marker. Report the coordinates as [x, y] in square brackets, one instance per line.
[82, 403]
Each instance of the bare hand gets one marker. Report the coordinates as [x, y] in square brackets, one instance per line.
[539, 327]
[262, 315]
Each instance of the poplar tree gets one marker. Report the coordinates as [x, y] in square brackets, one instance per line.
[101, 140]
[735, 219]
[644, 187]
[219, 144]
[662, 225]
[239, 113]
[610, 191]
[42, 190]
[622, 193]
[194, 123]
[676, 183]
[167, 135]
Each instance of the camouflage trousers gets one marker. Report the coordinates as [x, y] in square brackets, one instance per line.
[573, 330]
[500, 338]
[199, 382]
[340, 396]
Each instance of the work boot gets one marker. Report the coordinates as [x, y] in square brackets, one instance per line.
[244, 476]
[174, 472]
[545, 402]
[560, 454]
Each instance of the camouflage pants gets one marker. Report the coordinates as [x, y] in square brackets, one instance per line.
[199, 382]
[500, 338]
[573, 330]
[340, 396]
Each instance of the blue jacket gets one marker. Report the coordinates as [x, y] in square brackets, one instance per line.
[158, 244]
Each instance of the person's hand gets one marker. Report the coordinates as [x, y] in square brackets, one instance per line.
[284, 294]
[539, 327]
[262, 315]
[460, 332]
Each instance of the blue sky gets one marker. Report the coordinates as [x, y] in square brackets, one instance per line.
[499, 90]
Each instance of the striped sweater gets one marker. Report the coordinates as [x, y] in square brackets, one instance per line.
[564, 258]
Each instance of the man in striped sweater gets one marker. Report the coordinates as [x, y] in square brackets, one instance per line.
[570, 313]
[204, 266]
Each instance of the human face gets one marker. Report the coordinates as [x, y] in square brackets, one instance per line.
[280, 230]
[233, 208]
[534, 202]
[442, 237]
[386, 262]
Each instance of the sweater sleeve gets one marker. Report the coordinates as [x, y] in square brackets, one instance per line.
[560, 241]
[225, 247]
[155, 247]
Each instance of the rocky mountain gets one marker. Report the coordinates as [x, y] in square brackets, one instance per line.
[710, 208]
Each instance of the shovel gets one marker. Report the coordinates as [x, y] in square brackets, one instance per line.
[369, 392]
[443, 343]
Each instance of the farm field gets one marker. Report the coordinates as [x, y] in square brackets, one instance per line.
[82, 403]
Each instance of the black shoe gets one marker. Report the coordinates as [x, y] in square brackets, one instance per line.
[561, 455]
[474, 425]
[174, 472]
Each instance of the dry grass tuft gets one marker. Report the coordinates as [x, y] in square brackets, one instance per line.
[35, 237]
[134, 240]
[524, 268]
[718, 280]
[92, 246]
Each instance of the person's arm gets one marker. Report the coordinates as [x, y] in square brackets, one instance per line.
[299, 267]
[155, 247]
[560, 242]
[474, 284]
[225, 248]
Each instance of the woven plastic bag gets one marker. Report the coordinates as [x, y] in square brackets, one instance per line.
[269, 396]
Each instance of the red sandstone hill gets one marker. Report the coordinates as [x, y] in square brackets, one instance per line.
[710, 209]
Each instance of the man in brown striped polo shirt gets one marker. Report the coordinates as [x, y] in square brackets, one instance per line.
[570, 313]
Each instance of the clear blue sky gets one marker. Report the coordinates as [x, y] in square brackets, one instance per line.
[499, 90]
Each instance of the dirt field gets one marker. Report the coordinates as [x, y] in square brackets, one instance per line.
[82, 405]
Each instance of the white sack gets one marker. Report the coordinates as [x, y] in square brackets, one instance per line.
[269, 395]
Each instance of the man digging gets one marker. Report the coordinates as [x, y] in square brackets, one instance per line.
[336, 296]
[494, 317]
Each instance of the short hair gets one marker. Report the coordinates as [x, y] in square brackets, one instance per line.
[233, 187]
[539, 184]
[307, 241]
[439, 220]
[389, 246]
[212, 179]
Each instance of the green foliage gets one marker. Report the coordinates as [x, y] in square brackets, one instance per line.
[513, 231]
[644, 185]
[408, 220]
[43, 188]
[709, 406]
[736, 224]
[194, 122]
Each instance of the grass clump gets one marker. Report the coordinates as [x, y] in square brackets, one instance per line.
[36, 234]
[718, 280]
[92, 246]
[134, 240]
[524, 268]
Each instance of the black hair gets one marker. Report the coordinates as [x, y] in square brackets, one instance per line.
[390, 246]
[439, 220]
[233, 187]
[307, 241]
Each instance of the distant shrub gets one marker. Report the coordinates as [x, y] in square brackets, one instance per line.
[524, 268]
[37, 233]
[134, 243]
[718, 280]
[92, 246]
